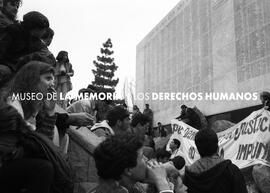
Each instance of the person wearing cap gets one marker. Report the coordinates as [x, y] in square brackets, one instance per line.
[211, 173]
[21, 39]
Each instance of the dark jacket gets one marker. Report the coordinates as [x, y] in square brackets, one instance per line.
[191, 118]
[15, 145]
[224, 177]
[17, 42]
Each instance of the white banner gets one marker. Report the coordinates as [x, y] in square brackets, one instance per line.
[245, 144]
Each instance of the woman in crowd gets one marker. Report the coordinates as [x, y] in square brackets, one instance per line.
[29, 90]
[63, 73]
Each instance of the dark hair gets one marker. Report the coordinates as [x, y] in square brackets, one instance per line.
[37, 56]
[48, 34]
[115, 114]
[61, 55]
[92, 87]
[183, 106]
[162, 153]
[177, 142]
[26, 81]
[139, 118]
[178, 162]
[135, 107]
[19, 2]
[206, 141]
[116, 154]
[35, 20]
[10, 119]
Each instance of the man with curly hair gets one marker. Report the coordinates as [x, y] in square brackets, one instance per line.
[120, 159]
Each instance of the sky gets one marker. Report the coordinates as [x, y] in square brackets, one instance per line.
[82, 26]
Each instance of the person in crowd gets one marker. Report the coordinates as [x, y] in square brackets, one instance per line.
[29, 161]
[161, 128]
[85, 105]
[149, 113]
[102, 107]
[139, 125]
[162, 155]
[38, 77]
[190, 117]
[48, 37]
[63, 73]
[117, 122]
[47, 40]
[174, 147]
[136, 110]
[212, 173]
[8, 13]
[265, 99]
[34, 77]
[161, 142]
[120, 164]
[19, 40]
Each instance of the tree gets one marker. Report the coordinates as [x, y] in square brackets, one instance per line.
[105, 69]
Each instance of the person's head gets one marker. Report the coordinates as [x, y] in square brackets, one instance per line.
[265, 98]
[10, 8]
[33, 77]
[178, 162]
[135, 108]
[139, 124]
[36, 23]
[62, 56]
[48, 36]
[162, 155]
[120, 156]
[159, 124]
[183, 108]
[147, 106]
[206, 141]
[175, 144]
[118, 119]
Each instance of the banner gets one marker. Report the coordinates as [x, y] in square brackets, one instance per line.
[246, 143]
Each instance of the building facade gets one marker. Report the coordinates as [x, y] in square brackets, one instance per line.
[205, 46]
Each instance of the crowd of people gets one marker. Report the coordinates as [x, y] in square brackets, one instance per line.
[133, 156]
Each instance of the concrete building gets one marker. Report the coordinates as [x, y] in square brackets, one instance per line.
[205, 46]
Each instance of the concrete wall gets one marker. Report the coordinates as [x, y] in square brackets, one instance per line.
[206, 46]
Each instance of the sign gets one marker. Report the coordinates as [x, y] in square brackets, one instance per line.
[246, 143]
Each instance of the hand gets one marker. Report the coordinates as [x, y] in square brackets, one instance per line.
[80, 119]
[157, 175]
[179, 186]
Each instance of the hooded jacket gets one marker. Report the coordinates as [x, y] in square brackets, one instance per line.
[224, 177]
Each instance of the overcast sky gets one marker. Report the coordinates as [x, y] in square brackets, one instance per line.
[81, 26]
